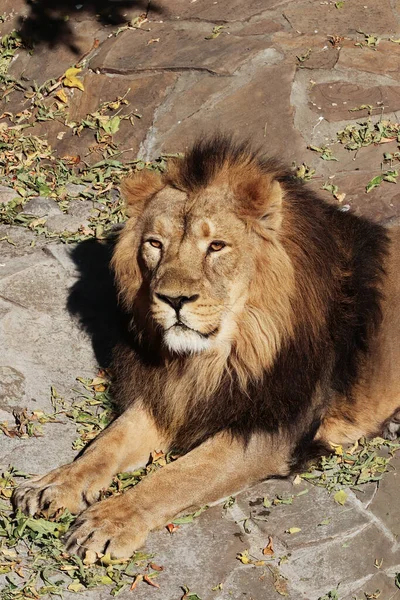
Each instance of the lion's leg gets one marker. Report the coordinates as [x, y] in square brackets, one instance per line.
[125, 444]
[216, 469]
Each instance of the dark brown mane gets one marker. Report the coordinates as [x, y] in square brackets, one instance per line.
[208, 157]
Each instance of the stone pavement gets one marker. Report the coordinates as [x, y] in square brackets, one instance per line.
[286, 74]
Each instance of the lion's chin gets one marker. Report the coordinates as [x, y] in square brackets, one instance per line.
[185, 341]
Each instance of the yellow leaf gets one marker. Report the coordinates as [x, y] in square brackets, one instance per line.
[340, 497]
[107, 561]
[338, 450]
[244, 557]
[71, 80]
[61, 95]
[293, 530]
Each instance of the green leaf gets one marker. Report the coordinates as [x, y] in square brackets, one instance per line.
[390, 176]
[188, 595]
[112, 125]
[375, 181]
[189, 518]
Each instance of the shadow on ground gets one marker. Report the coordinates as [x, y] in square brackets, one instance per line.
[93, 298]
[48, 22]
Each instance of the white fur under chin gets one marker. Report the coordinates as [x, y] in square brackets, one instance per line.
[185, 341]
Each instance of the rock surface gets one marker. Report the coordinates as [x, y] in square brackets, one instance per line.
[286, 74]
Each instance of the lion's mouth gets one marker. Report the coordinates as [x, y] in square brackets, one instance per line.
[181, 326]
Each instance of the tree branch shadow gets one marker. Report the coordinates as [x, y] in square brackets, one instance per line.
[48, 21]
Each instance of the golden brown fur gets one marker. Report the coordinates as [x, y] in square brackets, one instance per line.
[263, 326]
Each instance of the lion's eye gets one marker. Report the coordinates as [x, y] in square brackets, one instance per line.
[155, 243]
[216, 246]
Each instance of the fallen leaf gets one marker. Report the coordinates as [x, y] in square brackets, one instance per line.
[71, 80]
[340, 497]
[269, 549]
[76, 586]
[188, 595]
[172, 528]
[61, 95]
[293, 530]
[148, 580]
[135, 582]
[244, 557]
[280, 584]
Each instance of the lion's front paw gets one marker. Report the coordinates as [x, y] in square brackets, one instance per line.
[61, 488]
[112, 526]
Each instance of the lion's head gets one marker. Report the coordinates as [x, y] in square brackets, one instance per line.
[192, 256]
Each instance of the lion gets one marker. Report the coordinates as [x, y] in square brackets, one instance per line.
[263, 328]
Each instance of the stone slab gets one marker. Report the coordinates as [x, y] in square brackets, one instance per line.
[385, 59]
[12, 388]
[331, 97]
[35, 326]
[42, 207]
[308, 16]
[306, 512]
[380, 204]
[248, 583]
[215, 11]
[212, 105]
[350, 561]
[178, 47]
[381, 585]
[385, 503]
[7, 194]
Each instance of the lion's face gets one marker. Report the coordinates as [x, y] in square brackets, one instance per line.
[195, 256]
[200, 260]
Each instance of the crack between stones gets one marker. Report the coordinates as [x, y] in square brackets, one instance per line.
[352, 498]
[13, 302]
[111, 71]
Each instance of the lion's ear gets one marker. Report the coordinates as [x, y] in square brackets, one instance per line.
[261, 199]
[139, 188]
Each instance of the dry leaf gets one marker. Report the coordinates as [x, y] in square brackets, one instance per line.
[61, 95]
[172, 528]
[269, 549]
[135, 582]
[71, 80]
[148, 580]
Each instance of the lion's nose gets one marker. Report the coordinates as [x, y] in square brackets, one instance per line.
[177, 301]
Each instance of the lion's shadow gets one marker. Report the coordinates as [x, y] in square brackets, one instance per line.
[93, 297]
